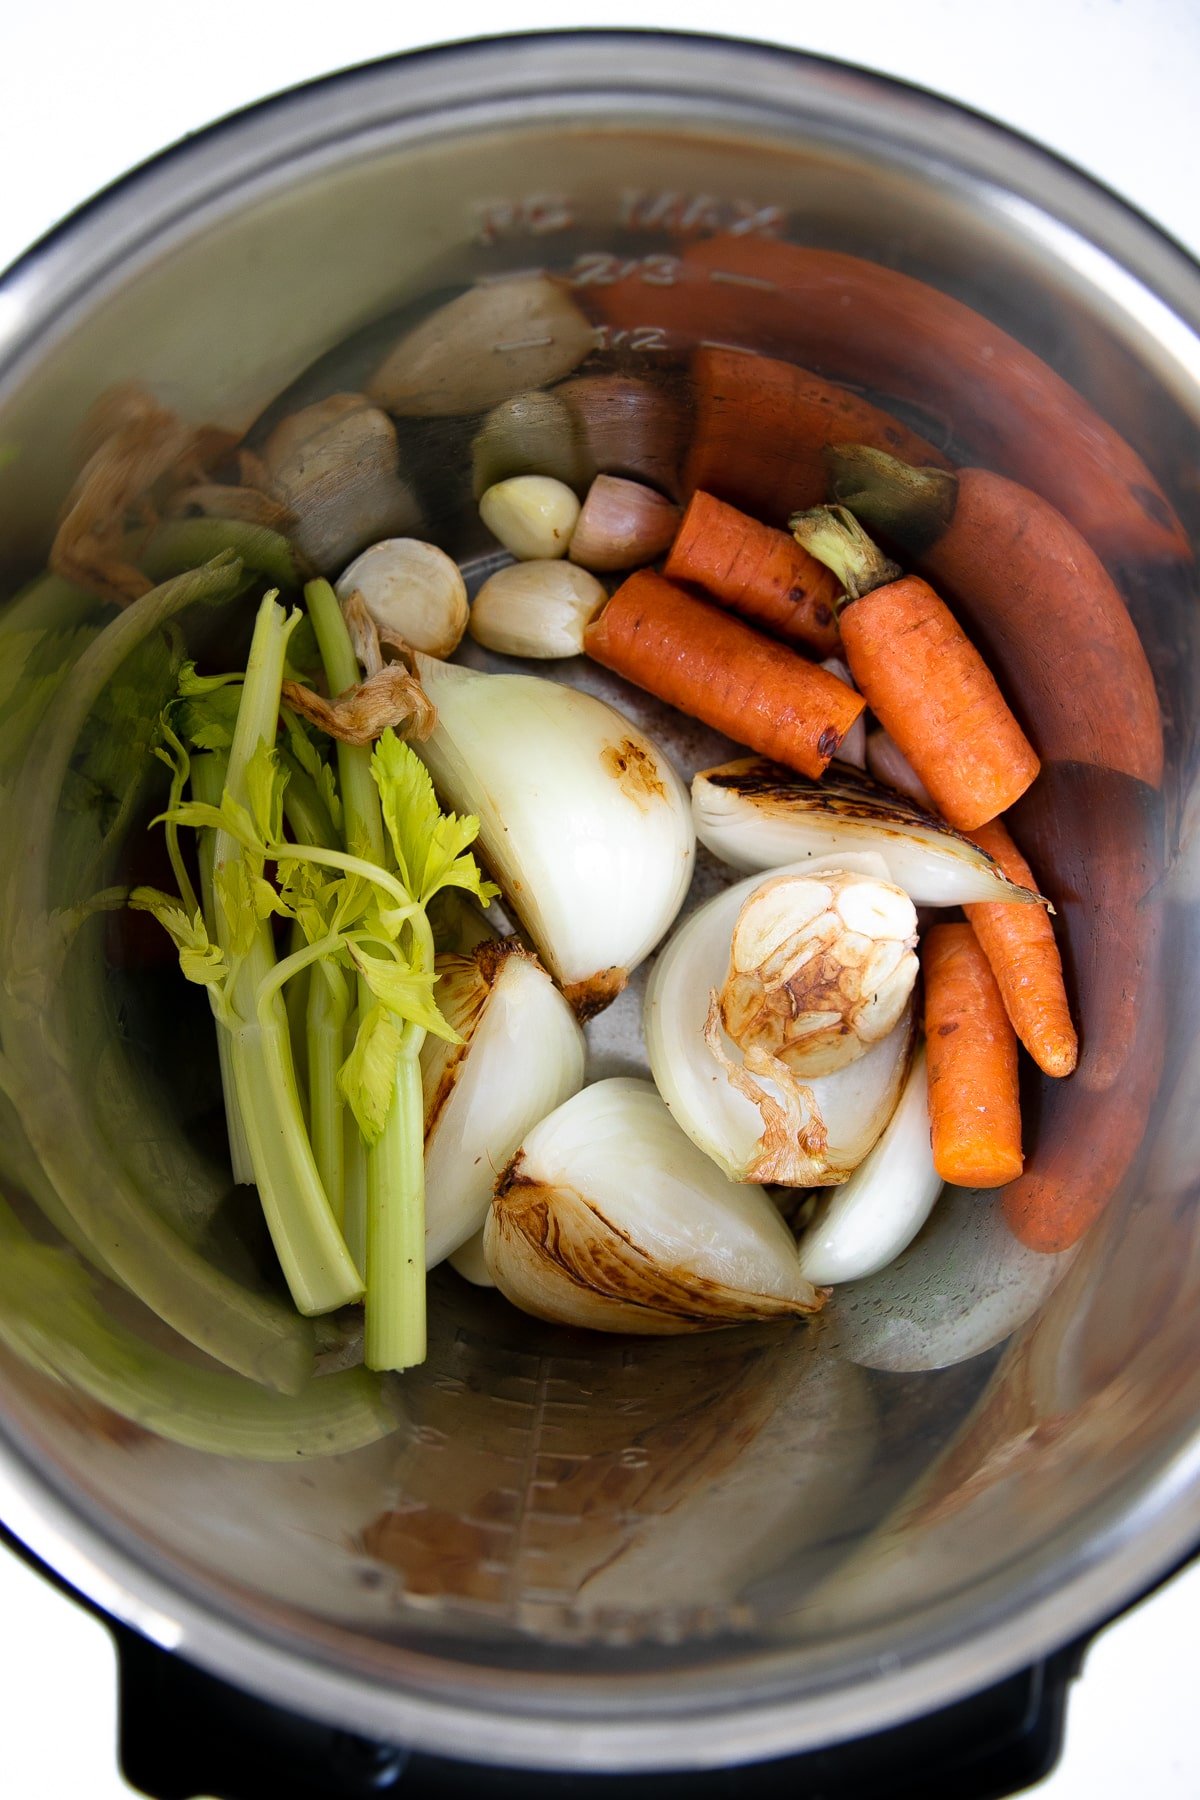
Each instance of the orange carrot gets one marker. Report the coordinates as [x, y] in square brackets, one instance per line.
[759, 428]
[762, 574]
[1036, 600]
[1025, 961]
[922, 677]
[860, 322]
[971, 1051]
[713, 667]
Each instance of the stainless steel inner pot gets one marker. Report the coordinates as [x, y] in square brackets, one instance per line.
[613, 1554]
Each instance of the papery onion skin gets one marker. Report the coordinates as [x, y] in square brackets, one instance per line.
[564, 1256]
[583, 821]
[755, 814]
[866, 1224]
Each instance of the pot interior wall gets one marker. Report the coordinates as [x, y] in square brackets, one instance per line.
[632, 1508]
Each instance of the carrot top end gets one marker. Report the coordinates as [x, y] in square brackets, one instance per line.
[834, 536]
[911, 505]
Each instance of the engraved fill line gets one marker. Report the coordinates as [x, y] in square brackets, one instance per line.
[732, 279]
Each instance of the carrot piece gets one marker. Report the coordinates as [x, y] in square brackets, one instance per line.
[760, 573]
[716, 669]
[1099, 839]
[922, 677]
[857, 321]
[1038, 602]
[760, 427]
[971, 1052]
[1025, 961]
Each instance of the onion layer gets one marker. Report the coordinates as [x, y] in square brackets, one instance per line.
[609, 1218]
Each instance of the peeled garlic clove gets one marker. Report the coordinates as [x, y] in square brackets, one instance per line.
[748, 1111]
[538, 609]
[889, 765]
[470, 1262]
[820, 968]
[522, 1055]
[336, 467]
[609, 1218]
[531, 434]
[757, 815]
[489, 343]
[864, 1225]
[853, 747]
[623, 524]
[629, 426]
[413, 591]
[532, 515]
[582, 819]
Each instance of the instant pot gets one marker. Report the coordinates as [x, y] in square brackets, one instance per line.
[831, 1554]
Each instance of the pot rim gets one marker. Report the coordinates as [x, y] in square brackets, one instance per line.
[1088, 1569]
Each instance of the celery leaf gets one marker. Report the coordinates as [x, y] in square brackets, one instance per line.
[367, 1078]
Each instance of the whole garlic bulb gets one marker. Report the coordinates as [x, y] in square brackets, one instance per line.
[820, 968]
[413, 591]
[607, 1217]
[747, 1110]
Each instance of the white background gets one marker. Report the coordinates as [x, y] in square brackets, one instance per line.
[89, 88]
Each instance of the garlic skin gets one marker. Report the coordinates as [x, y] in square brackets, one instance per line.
[413, 591]
[864, 1225]
[749, 1113]
[622, 525]
[754, 814]
[608, 1218]
[582, 819]
[537, 609]
[482, 347]
[523, 1055]
[532, 515]
[336, 468]
[820, 968]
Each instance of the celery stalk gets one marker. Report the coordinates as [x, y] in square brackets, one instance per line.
[325, 1029]
[395, 1172]
[312, 1252]
[208, 784]
[51, 1317]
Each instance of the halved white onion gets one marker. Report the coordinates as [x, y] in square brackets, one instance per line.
[776, 1136]
[522, 1056]
[757, 815]
[609, 1218]
[470, 1262]
[582, 819]
[866, 1223]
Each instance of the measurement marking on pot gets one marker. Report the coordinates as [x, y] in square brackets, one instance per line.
[503, 275]
[731, 278]
[717, 344]
[532, 343]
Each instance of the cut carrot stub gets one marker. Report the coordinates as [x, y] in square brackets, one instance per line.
[760, 573]
[922, 677]
[971, 1051]
[1024, 959]
[760, 429]
[716, 669]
